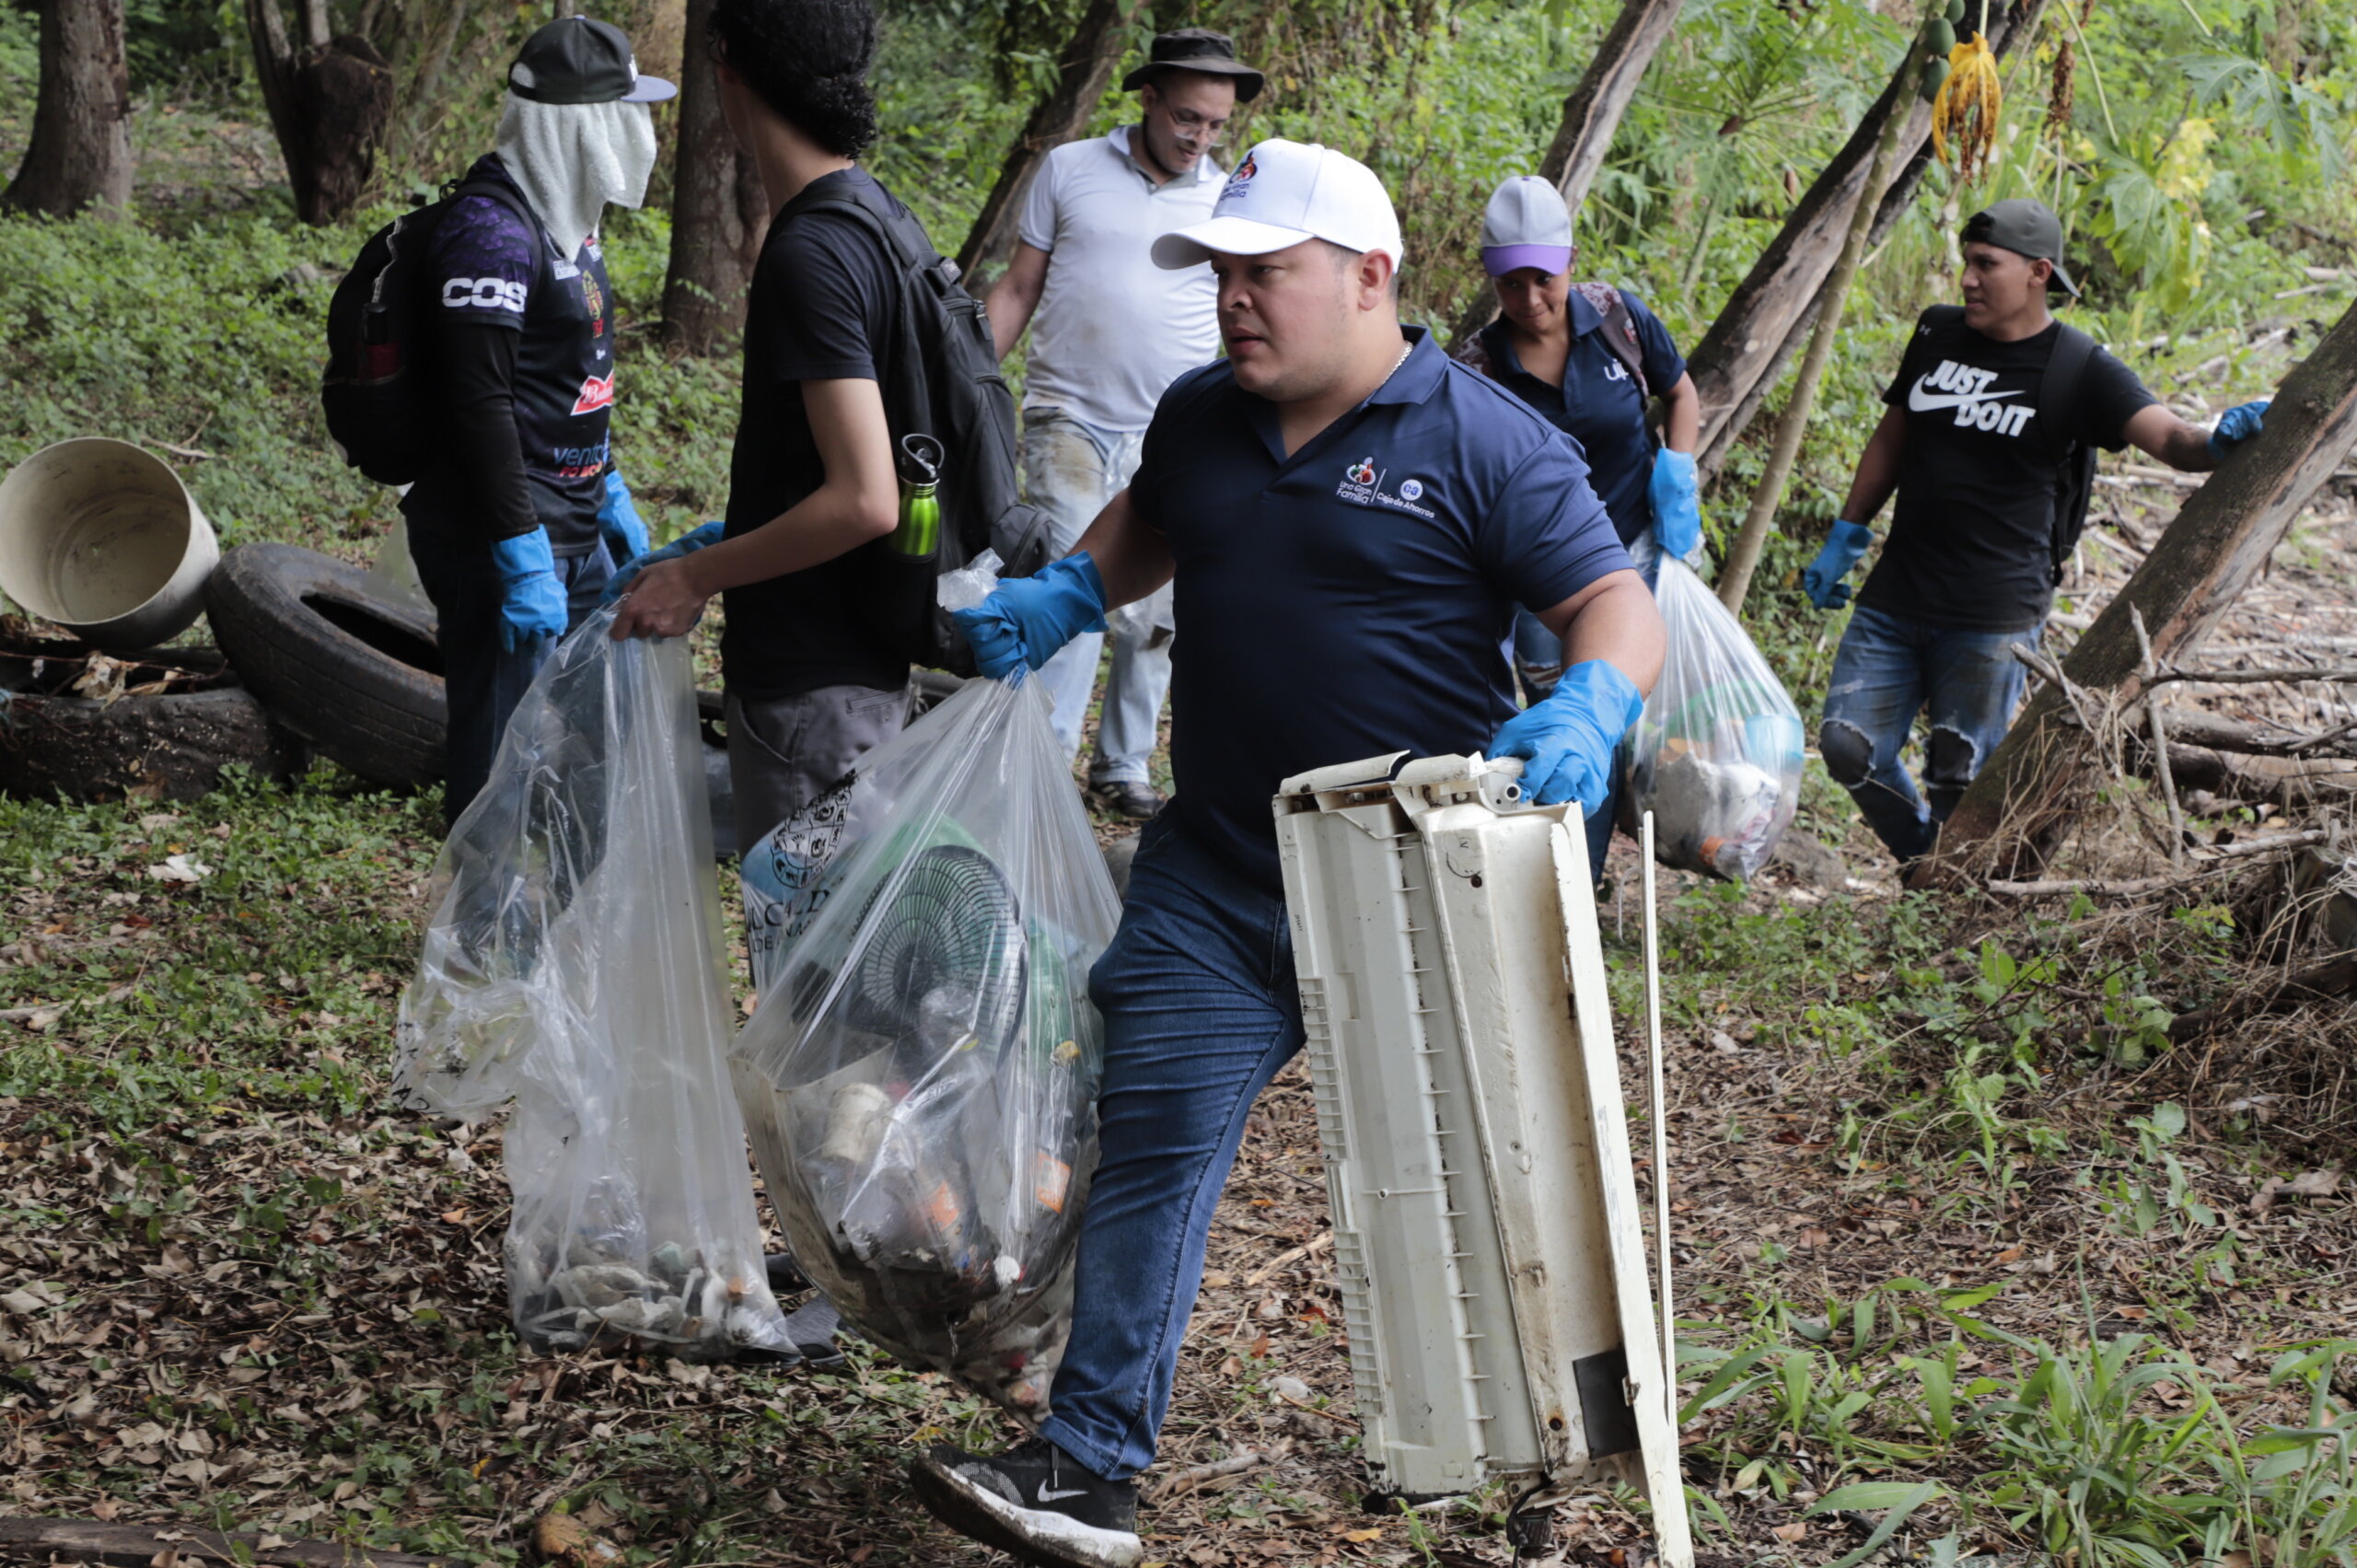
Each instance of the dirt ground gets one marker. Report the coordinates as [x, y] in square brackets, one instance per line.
[283, 1311]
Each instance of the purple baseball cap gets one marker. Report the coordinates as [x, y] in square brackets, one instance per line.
[1526, 225]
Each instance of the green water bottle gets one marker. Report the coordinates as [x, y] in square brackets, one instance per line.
[919, 534]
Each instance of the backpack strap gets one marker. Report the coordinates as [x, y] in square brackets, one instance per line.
[2074, 476]
[1620, 330]
[504, 194]
[2066, 371]
[1474, 353]
[904, 248]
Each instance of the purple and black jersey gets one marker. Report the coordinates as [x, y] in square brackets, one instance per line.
[490, 266]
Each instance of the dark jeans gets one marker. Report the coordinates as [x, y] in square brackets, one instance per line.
[1201, 1011]
[482, 680]
[1888, 671]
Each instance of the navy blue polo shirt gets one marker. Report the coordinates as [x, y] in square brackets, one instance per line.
[1598, 404]
[1350, 600]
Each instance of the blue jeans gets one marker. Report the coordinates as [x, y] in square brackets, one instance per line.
[1070, 471]
[1201, 1011]
[485, 681]
[1888, 671]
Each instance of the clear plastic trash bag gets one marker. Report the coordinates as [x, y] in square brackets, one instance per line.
[1716, 755]
[921, 1082]
[572, 964]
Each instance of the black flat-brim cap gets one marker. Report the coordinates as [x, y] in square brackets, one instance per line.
[580, 60]
[1196, 49]
[2028, 228]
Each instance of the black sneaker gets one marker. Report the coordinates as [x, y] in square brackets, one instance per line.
[1126, 798]
[1033, 1502]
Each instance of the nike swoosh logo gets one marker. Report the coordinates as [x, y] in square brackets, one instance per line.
[1921, 402]
[1047, 1496]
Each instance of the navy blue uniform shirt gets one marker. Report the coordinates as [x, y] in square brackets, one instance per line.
[1350, 600]
[1598, 404]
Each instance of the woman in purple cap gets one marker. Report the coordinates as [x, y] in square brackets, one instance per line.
[1589, 357]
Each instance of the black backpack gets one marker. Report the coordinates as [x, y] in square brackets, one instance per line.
[381, 411]
[2058, 394]
[944, 381]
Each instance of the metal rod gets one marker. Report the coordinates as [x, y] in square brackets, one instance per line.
[1661, 1127]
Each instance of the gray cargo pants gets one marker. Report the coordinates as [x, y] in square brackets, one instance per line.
[789, 767]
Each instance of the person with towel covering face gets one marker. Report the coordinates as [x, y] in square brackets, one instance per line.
[519, 524]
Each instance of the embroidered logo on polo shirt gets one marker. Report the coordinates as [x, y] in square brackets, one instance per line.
[1363, 485]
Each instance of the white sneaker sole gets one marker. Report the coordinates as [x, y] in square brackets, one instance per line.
[1037, 1536]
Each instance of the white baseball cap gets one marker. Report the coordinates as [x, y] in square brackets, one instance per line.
[1282, 193]
[1526, 225]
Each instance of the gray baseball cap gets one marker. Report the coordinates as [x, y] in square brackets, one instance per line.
[1526, 225]
[2027, 228]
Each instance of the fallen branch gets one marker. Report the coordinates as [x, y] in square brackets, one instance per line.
[2137, 887]
[1294, 1256]
[158, 1546]
[1217, 1476]
[1348, 1422]
[26, 1014]
[2250, 677]
[2191, 727]
[2153, 712]
[2317, 982]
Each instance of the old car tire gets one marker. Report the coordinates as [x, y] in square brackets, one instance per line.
[167, 745]
[354, 672]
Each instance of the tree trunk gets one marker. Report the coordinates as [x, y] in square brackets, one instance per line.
[1743, 555]
[1081, 79]
[1765, 319]
[331, 104]
[1591, 114]
[719, 211]
[81, 151]
[2011, 820]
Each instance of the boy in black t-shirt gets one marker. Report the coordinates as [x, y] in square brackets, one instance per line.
[1980, 461]
[811, 684]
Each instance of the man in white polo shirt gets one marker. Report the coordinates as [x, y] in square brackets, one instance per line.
[1109, 333]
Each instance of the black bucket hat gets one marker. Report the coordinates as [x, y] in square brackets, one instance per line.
[2028, 228]
[1196, 49]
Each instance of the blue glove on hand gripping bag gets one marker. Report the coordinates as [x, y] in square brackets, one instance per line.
[572, 964]
[1716, 755]
[919, 1080]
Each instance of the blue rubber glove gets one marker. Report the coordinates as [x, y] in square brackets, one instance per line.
[2236, 426]
[1566, 742]
[617, 521]
[1678, 507]
[686, 544]
[1025, 619]
[531, 601]
[1844, 548]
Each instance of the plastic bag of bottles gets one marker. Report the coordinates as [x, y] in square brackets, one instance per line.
[921, 1081]
[572, 964]
[1716, 756]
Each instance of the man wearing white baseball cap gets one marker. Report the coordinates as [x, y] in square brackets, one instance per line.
[1336, 496]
